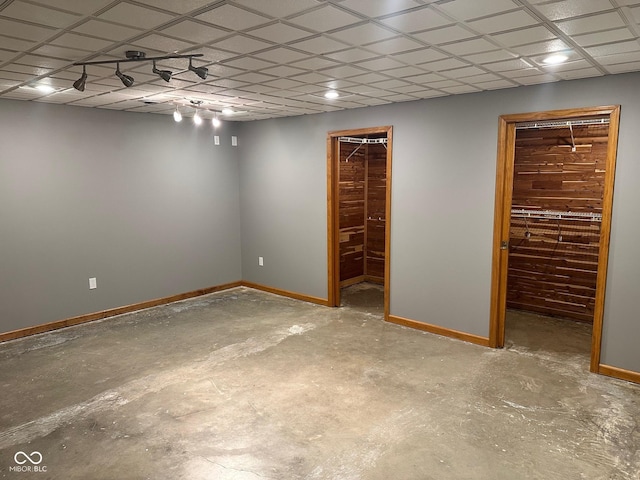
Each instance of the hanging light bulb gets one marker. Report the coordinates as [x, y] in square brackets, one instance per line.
[177, 116]
[215, 121]
[197, 119]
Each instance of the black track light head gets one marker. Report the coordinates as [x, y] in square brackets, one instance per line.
[127, 81]
[200, 71]
[163, 74]
[81, 82]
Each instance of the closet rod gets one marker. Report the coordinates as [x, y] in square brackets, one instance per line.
[555, 215]
[369, 141]
[562, 123]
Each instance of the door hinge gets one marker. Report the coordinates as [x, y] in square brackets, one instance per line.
[504, 245]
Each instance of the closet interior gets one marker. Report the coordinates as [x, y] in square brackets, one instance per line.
[362, 206]
[557, 200]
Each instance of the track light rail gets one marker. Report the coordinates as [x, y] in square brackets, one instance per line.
[140, 59]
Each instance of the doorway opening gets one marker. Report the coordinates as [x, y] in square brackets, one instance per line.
[359, 194]
[554, 195]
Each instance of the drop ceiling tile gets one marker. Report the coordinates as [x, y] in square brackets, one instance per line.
[362, 34]
[446, 64]
[524, 72]
[108, 31]
[384, 63]
[612, 49]
[40, 15]
[319, 45]
[231, 17]
[281, 55]
[135, 16]
[524, 36]
[481, 78]
[416, 20]
[394, 46]
[182, 6]
[542, 48]
[409, 89]
[279, 9]
[488, 57]
[42, 62]
[81, 42]
[501, 23]
[279, 33]
[463, 72]
[624, 67]
[313, 77]
[417, 57]
[194, 31]
[391, 84]
[448, 34]
[6, 55]
[162, 43]
[241, 44]
[426, 78]
[594, 23]
[248, 63]
[368, 78]
[468, 47]
[507, 65]
[447, 83]
[81, 6]
[69, 54]
[609, 36]
[315, 63]
[457, 90]
[23, 31]
[468, 9]
[283, 71]
[325, 18]
[537, 79]
[582, 73]
[404, 72]
[8, 73]
[573, 8]
[15, 44]
[496, 84]
[619, 58]
[636, 14]
[282, 84]
[378, 9]
[352, 55]
[343, 71]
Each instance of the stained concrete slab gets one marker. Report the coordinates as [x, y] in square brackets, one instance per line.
[247, 385]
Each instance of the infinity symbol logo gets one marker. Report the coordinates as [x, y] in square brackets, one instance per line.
[28, 458]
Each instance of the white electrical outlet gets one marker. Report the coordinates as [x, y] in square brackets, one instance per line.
[93, 283]
[216, 140]
[234, 141]
[261, 261]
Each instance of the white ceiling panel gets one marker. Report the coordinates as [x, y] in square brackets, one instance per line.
[262, 56]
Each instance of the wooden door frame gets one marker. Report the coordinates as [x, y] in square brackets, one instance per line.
[333, 219]
[502, 214]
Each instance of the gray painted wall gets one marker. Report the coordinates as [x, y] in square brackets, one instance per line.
[147, 206]
[444, 164]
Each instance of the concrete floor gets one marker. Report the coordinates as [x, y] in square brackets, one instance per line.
[246, 385]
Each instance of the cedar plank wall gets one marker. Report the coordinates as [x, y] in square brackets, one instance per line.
[546, 275]
[351, 211]
[376, 204]
[362, 190]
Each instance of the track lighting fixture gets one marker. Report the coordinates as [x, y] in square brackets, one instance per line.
[197, 119]
[200, 71]
[163, 74]
[137, 56]
[81, 82]
[127, 80]
[177, 116]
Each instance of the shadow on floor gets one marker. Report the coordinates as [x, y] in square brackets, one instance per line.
[365, 296]
[539, 333]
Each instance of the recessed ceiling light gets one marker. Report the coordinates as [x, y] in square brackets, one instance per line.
[331, 94]
[45, 88]
[227, 111]
[555, 59]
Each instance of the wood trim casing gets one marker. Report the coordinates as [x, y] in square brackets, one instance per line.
[287, 293]
[333, 230]
[504, 182]
[445, 332]
[620, 373]
[89, 317]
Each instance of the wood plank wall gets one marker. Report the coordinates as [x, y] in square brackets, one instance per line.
[362, 192]
[553, 263]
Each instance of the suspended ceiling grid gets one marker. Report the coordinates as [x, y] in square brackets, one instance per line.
[276, 58]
